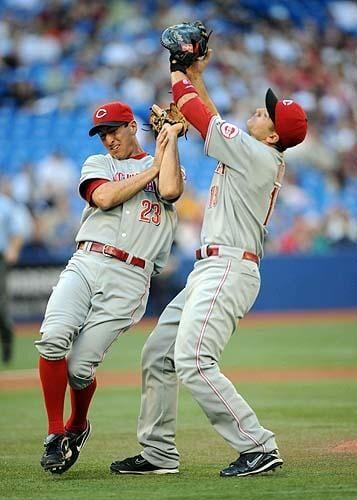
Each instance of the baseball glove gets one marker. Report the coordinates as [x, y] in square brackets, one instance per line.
[186, 42]
[171, 115]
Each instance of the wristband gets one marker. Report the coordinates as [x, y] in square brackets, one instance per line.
[181, 88]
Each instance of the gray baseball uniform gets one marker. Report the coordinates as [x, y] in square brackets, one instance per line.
[99, 297]
[196, 326]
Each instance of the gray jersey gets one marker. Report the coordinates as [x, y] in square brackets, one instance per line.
[243, 190]
[144, 225]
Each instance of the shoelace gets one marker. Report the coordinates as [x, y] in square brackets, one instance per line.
[55, 446]
[242, 459]
[236, 462]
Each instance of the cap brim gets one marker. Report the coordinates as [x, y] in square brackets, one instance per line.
[270, 103]
[95, 130]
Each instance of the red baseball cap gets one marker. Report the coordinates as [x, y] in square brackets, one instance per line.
[289, 119]
[111, 114]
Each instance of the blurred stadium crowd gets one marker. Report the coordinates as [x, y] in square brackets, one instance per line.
[59, 59]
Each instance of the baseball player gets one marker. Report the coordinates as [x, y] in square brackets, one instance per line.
[125, 237]
[195, 327]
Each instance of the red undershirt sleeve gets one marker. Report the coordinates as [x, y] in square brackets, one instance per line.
[198, 114]
[88, 187]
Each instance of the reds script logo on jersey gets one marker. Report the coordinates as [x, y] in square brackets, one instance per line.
[228, 130]
[120, 176]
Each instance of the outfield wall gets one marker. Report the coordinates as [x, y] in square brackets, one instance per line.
[303, 282]
[308, 282]
[289, 283]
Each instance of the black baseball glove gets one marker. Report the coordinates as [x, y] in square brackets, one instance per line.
[186, 42]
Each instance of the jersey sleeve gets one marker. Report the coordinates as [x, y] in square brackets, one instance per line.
[227, 143]
[88, 187]
[95, 167]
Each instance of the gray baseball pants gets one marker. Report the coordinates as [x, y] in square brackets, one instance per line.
[96, 299]
[186, 345]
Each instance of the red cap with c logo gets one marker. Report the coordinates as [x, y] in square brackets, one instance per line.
[289, 119]
[111, 114]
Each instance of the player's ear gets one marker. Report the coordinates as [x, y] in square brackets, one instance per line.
[133, 127]
[272, 138]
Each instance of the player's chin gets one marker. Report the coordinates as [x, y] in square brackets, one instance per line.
[117, 156]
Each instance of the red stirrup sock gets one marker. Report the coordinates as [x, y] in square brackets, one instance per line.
[80, 401]
[53, 376]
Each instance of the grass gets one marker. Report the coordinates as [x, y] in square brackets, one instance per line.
[331, 343]
[309, 417]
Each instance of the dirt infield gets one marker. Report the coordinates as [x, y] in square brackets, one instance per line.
[28, 379]
[345, 446]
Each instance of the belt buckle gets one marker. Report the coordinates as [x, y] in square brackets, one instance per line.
[104, 252]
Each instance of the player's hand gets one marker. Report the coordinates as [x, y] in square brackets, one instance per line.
[198, 67]
[172, 131]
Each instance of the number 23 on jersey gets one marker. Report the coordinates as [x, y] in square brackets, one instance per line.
[150, 212]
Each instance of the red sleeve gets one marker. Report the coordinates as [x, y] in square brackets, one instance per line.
[88, 187]
[194, 110]
[197, 113]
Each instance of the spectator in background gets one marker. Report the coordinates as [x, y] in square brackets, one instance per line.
[314, 152]
[23, 185]
[57, 228]
[15, 224]
[341, 229]
[298, 238]
[56, 174]
[190, 213]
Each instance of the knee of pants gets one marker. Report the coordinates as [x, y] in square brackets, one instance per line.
[80, 374]
[190, 368]
[54, 344]
[155, 354]
[186, 368]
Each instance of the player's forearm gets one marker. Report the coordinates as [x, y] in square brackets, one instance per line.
[177, 77]
[170, 182]
[198, 88]
[197, 81]
[190, 103]
[114, 193]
